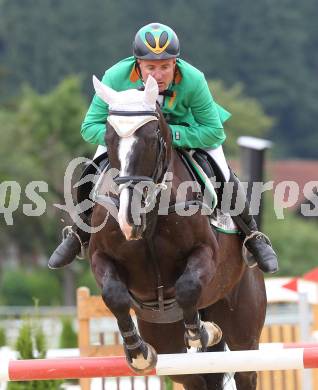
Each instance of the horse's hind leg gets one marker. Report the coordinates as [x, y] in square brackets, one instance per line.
[140, 356]
[215, 381]
[246, 380]
[204, 381]
[189, 287]
[191, 382]
[241, 316]
[169, 338]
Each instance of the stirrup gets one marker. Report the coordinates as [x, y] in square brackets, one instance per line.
[67, 230]
[258, 235]
[247, 255]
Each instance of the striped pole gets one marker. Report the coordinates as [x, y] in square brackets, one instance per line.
[172, 364]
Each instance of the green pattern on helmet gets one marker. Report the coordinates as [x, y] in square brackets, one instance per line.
[156, 32]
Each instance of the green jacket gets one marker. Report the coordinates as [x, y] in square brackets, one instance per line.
[193, 116]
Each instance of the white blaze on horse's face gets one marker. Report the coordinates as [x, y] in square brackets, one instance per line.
[124, 152]
[125, 126]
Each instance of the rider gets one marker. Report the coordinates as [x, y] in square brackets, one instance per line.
[195, 120]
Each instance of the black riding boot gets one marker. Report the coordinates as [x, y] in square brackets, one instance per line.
[256, 242]
[75, 240]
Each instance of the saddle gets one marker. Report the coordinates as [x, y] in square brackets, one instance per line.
[205, 171]
[87, 182]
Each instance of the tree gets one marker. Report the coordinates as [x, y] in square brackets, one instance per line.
[293, 240]
[268, 46]
[248, 117]
[42, 136]
[43, 132]
[31, 344]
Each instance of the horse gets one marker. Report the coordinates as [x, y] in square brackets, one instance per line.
[187, 283]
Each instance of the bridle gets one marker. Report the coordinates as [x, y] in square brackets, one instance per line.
[155, 182]
[164, 310]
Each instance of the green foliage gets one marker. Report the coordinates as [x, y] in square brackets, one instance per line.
[30, 345]
[87, 279]
[248, 116]
[268, 46]
[24, 344]
[40, 342]
[294, 240]
[168, 383]
[44, 131]
[35, 385]
[20, 287]
[68, 338]
[3, 337]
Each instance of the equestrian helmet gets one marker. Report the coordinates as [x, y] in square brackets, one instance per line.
[156, 41]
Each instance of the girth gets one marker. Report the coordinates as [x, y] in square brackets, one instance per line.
[151, 312]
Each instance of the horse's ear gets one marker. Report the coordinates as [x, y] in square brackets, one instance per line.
[151, 91]
[107, 94]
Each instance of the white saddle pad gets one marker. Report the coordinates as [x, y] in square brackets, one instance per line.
[223, 222]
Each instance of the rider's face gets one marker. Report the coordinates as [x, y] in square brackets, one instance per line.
[161, 70]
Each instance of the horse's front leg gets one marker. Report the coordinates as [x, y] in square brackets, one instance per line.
[140, 355]
[197, 274]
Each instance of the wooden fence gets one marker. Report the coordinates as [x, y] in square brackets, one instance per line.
[90, 307]
[289, 379]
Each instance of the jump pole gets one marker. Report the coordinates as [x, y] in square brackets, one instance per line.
[170, 364]
[274, 346]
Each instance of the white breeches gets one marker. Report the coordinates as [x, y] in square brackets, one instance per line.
[217, 154]
[100, 150]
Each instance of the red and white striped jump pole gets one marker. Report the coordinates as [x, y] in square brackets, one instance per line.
[172, 364]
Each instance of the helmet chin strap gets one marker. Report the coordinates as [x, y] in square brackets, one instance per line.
[137, 66]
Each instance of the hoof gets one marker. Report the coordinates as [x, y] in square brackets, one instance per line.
[214, 332]
[210, 334]
[142, 364]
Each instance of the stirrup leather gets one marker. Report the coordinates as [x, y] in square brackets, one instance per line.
[67, 230]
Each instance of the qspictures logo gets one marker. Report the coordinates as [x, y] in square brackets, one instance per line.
[31, 198]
